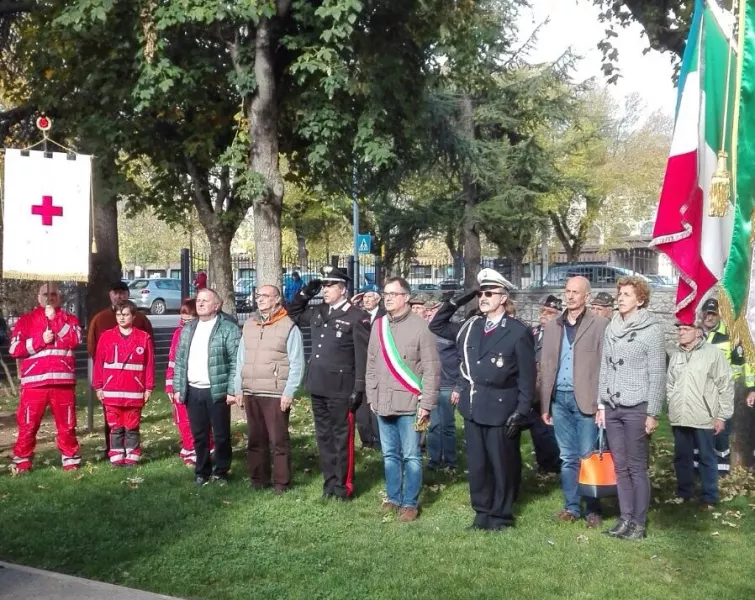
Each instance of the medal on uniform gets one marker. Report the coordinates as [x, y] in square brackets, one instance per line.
[499, 362]
[338, 334]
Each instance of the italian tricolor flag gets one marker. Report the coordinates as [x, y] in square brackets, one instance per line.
[697, 243]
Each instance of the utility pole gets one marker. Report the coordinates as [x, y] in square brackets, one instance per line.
[356, 229]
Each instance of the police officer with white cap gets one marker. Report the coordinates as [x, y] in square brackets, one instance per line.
[335, 374]
[497, 386]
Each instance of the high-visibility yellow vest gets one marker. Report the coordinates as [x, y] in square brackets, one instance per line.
[735, 356]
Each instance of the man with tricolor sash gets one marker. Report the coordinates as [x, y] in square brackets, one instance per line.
[402, 384]
[497, 386]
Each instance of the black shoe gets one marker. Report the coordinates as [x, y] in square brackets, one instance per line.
[620, 528]
[200, 481]
[634, 532]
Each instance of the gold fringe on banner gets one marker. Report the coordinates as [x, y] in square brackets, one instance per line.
[720, 188]
[46, 277]
[739, 332]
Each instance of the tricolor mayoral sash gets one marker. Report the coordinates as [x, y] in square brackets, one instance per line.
[396, 365]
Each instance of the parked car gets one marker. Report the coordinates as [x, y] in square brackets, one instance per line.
[244, 293]
[661, 282]
[451, 285]
[598, 274]
[426, 287]
[156, 295]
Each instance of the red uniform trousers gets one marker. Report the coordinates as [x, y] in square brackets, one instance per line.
[31, 409]
[125, 438]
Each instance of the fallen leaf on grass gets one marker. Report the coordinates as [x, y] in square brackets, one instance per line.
[716, 515]
[582, 539]
[133, 482]
[654, 557]
[715, 533]
[551, 542]
[42, 487]
[675, 500]
[227, 502]
[729, 523]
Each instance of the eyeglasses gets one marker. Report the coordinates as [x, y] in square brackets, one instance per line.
[394, 294]
[264, 296]
[489, 294]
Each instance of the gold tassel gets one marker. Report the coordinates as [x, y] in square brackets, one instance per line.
[94, 245]
[720, 188]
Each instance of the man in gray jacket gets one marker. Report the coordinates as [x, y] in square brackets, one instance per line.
[402, 383]
[569, 371]
[700, 393]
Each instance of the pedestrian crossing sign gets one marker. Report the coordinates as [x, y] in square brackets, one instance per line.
[364, 243]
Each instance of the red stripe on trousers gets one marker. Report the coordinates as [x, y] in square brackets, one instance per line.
[350, 465]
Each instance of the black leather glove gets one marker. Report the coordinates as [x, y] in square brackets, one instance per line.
[355, 401]
[464, 298]
[312, 288]
[514, 424]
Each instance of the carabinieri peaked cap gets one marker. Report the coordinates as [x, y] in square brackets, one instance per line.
[490, 279]
[333, 275]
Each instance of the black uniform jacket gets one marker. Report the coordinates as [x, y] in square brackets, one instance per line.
[497, 369]
[339, 346]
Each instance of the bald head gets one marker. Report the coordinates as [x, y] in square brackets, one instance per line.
[49, 295]
[576, 293]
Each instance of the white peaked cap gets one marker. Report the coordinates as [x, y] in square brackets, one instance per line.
[492, 278]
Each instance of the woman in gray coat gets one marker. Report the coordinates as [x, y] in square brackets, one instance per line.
[632, 388]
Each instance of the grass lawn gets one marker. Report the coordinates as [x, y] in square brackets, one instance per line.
[151, 528]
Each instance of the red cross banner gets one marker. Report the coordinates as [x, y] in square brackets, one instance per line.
[46, 211]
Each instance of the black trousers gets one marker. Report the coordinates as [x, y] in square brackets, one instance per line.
[547, 454]
[494, 463]
[334, 430]
[367, 426]
[203, 414]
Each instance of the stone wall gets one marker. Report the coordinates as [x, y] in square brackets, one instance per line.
[661, 304]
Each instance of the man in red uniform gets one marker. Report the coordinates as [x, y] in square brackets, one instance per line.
[44, 339]
[124, 377]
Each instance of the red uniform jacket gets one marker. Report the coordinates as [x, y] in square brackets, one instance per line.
[124, 367]
[46, 364]
[172, 360]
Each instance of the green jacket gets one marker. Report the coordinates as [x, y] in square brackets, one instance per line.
[224, 344]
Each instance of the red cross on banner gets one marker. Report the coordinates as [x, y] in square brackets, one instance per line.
[47, 211]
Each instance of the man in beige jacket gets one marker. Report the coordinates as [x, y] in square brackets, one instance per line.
[700, 393]
[402, 384]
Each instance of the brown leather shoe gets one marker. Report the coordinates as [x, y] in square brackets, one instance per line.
[406, 514]
[388, 507]
[594, 521]
[567, 516]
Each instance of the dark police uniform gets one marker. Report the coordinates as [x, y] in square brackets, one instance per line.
[497, 380]
[335, 380]
[547, 454]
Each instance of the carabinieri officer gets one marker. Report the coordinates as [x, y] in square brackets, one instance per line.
[497, 385]
[335, 375]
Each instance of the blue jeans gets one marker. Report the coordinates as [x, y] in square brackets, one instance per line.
[577, 435]
[402, 459]
[441, 439]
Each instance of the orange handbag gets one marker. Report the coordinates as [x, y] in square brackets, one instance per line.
[597, 476]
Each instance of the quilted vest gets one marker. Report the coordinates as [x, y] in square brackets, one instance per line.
[266, 364]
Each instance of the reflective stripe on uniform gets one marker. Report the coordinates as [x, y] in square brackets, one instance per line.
[171, 364]
[123, 366]
[64, 330]
[723, 454]
[48, 377]
[54, 352]
[126, 395]
[69, 461]
[30, 346]
[724, 467]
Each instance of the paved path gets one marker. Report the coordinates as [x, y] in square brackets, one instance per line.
[25, 583]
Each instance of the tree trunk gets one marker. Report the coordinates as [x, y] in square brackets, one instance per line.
[470, 231]
[105, 264]
[301, 245]
[517, 268]
[263, 129]
[220, 276]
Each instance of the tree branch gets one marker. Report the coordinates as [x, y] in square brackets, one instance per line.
[201, 196]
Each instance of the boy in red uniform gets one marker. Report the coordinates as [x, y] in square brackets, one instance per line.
[44, 339]
[124, 377]
[180, 415]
